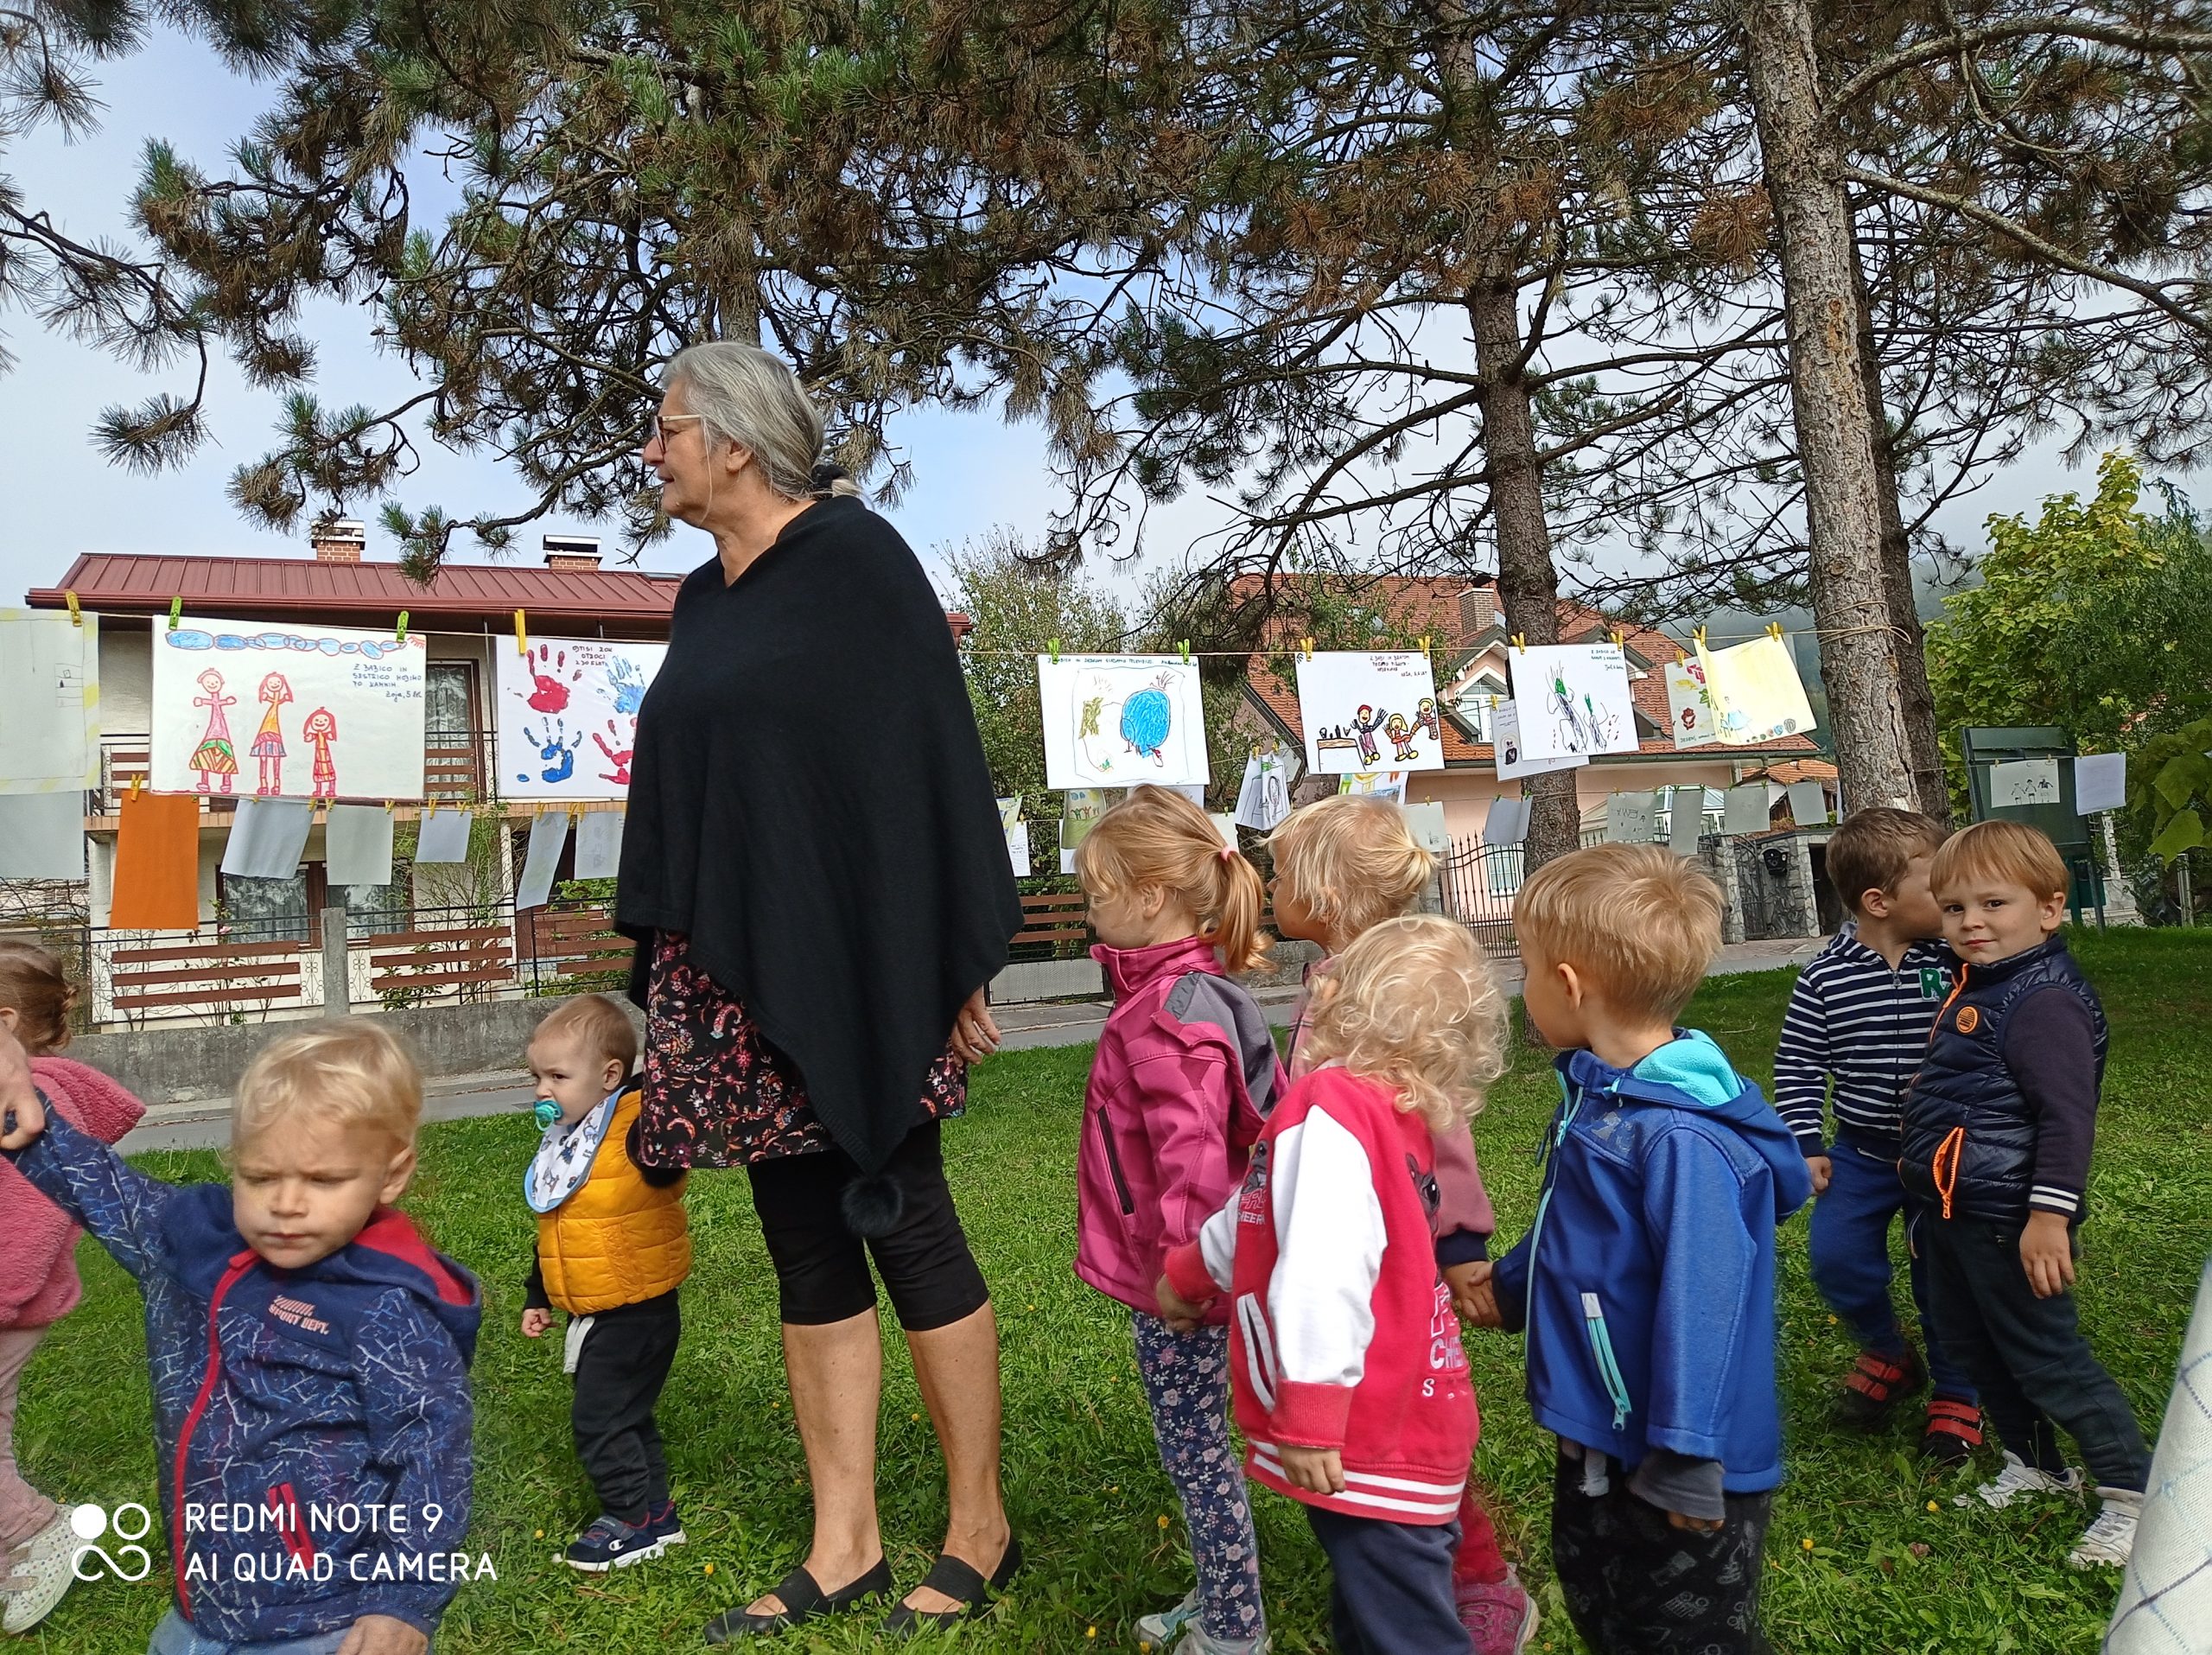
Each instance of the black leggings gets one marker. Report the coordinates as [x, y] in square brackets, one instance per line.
[822, 1273]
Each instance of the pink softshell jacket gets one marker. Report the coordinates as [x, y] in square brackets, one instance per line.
[38, 1266]
[1185, 1074]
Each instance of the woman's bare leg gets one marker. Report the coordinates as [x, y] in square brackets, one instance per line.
[835, 1371]
[957, 1368]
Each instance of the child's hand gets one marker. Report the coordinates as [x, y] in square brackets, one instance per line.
[1823, 1169]
[384, 1634]
[1472, 1296]
[1318, 1471]
[1178, 1312]
[17, 1095]
[535, 1321]
[2047, 1254]
[1700, 1525]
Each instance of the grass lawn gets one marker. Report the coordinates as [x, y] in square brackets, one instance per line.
[1858, 1561]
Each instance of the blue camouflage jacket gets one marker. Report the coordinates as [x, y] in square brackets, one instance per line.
[311, 1426]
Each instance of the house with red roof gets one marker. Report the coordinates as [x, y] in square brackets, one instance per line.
[1462, 618]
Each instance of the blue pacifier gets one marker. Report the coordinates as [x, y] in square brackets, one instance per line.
[547, 1112]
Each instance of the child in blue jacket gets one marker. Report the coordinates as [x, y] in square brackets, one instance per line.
[309, 1352]
[1646, 1283]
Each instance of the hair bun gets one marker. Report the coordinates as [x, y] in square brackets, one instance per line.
[828, 475]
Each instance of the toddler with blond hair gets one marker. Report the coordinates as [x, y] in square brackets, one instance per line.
[1351, 1388]
[1344, 865]
[1647, 1282]
[309, 1351]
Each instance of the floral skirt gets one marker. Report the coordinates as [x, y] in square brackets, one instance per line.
[717, 1093]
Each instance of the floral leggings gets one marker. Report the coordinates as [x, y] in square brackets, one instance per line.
[1186, 1381]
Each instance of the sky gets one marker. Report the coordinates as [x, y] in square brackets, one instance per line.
[973, 471]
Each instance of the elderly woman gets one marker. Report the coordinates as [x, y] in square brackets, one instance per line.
[814, 872]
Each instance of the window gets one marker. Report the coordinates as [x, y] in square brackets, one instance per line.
[266, 910]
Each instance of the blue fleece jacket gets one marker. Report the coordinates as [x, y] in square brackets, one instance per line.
[311, 1426]
[1647, 1282]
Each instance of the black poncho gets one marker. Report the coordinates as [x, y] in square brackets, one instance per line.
[809, 803]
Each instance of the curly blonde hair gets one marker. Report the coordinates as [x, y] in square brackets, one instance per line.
[1154, 836]
[1412, 1002]
[1352, 860]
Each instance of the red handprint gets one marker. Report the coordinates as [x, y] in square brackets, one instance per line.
[619, 757]
[550, 695]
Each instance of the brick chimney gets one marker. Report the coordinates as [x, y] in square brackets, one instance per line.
[338, 540]
[1477, 610]
[573, 553]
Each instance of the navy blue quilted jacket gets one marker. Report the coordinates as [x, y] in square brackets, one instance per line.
[308, 1412]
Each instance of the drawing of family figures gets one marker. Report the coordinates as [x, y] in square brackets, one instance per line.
[1402, 732]
[214, 756]
[267, 748]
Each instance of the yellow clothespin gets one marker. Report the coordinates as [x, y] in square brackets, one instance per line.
[1679, 657]
[1774, 630]
[1055, 651]
[1493, 702]
[1521, 642]
[1614, 638]
[1306, 644]
[1185, 647]
[1424, 643]
[176, 608]
[389, 805]
[76, 615]
[138, 785]
[522, 634]
[1699, 634]
[401, 635]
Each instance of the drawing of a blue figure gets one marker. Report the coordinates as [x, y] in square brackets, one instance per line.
[626, 684]
[559, 752]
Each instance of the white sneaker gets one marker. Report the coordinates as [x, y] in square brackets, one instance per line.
[2106, 1543]
[40, 1575]
[1196, 1642]
[2016, 1479]
[1158, 1632]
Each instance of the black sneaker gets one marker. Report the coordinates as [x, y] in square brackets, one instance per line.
[1876, 1386]
[665, 1525]
[612, 1543]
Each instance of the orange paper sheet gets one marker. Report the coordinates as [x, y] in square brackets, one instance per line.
[157, 864]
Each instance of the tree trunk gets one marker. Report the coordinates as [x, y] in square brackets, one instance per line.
[1528, 582]
[1908, 641]
[1828, 396]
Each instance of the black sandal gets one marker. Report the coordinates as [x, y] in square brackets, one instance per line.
[804, 1600]
[958, 1581]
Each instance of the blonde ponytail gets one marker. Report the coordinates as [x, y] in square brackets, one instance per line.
[1155, 835]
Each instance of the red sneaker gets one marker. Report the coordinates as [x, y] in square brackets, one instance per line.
[1499, 1615]
[1874, 1387]
[1953, 1431]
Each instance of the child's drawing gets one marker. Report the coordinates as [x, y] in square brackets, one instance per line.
[321, 729]
[214, 756]
[369, 685]
[267, 748]
[1574, 698]
[2023, 781]
[562, 691]
[1264, 798]
[1352, 702]
[1511, 753]
[1115, 721]
[1689, 709]
[1755, 691]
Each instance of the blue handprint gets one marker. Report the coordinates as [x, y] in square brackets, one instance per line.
[559, 752]
[626, 683]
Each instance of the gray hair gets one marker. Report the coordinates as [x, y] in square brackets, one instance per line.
[744, 395]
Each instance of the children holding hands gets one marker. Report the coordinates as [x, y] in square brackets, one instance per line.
[309, 1352]
[612, 1251]
[1646, 1283]
[1350, 1386]
[1996, 1133]
[1185, 1074]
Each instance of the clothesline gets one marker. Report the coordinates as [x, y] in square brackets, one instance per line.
[1303, 652]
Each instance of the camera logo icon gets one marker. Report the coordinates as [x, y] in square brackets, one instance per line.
[130, 1524]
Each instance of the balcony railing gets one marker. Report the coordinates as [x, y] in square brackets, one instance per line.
[457, 768]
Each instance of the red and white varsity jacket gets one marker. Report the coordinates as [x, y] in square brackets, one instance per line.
[1342, 1335]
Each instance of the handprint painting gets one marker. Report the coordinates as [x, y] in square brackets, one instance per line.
[568, 716]
[297, 711]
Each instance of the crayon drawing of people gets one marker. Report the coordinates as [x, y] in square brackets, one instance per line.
[214, 756]
[321, 729]
[268, 740]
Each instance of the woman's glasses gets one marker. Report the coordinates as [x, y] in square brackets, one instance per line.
[657, 430]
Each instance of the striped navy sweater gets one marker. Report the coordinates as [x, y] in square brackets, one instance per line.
[1854, 1019]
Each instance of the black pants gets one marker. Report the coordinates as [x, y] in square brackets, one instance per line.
[1389, 1585]
[1636, 1585]
[620, 1372]
[2027, 1355]
[822, 1273]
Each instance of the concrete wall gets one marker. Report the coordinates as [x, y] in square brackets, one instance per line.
[180, 1065]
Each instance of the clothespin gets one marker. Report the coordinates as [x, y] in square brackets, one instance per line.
[1774, 630]
[176, 608]
[522, 634]
[389, 805]
[401, 635]
[1055, 651]
[1700, 636]
[1521, 642]
[1424, 643]
[1493, 702]
[1185, 647]
[76, 615]
[1306, 644]
[138, 785]
[1614, 638]
[1679, 657]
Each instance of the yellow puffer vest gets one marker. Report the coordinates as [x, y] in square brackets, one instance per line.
[617, 1240]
